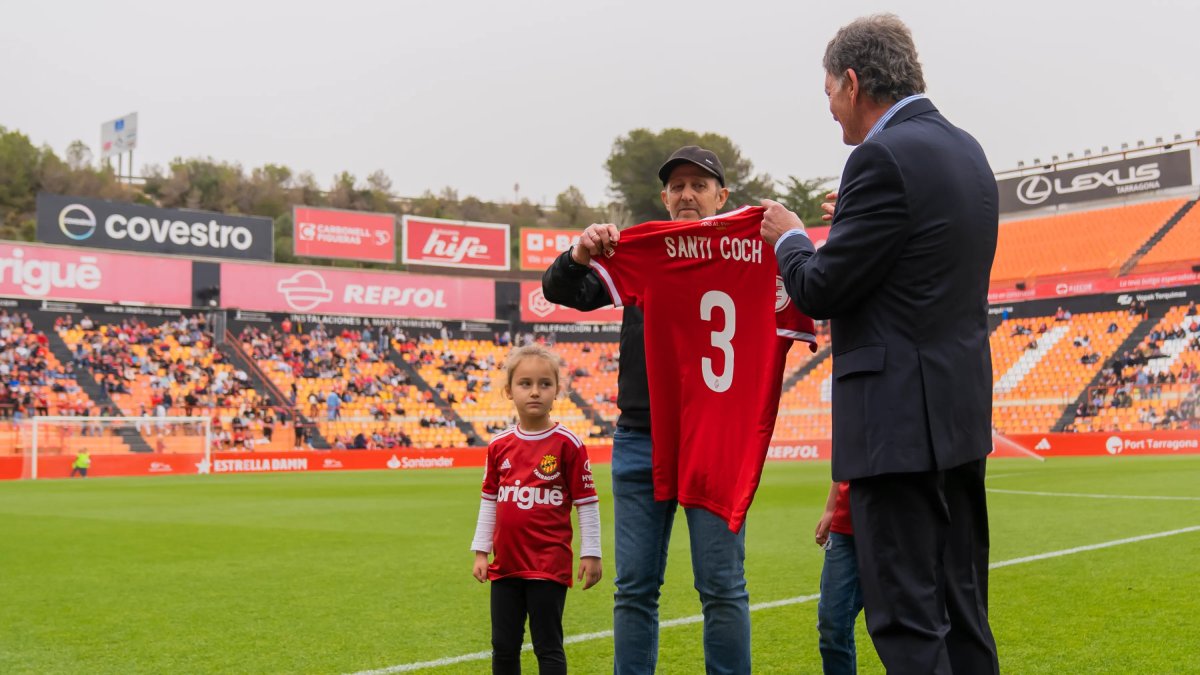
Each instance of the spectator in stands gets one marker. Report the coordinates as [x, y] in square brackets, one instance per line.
[333, 404]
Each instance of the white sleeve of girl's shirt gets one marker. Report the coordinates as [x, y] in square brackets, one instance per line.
[589, 530]
[485, 527]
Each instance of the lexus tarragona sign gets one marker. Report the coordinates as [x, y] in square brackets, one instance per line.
[96, 223]
[1097, 181]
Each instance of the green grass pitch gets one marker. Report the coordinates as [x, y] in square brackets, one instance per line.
[347, 572]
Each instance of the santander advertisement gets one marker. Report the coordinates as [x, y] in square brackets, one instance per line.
[343, 235]
[455, 243]
[72, 274]
[536, 308]
[540, 247]
[290, 288]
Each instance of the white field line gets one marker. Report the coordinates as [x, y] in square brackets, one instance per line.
[682, 621]
[991, 475]
[1093, 547]
[1094, 496]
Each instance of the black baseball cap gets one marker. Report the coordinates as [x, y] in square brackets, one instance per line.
[705, 159]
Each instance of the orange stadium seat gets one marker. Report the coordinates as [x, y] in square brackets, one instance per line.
[1178, 250]
[1079, 242]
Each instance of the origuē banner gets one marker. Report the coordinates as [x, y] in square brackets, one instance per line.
[291, 288]
[51, 273]
[539, 247]
[535, 308]
[343, 235]
[97, 223]
[455, 243]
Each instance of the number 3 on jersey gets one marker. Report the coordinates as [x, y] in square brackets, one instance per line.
[721, 339]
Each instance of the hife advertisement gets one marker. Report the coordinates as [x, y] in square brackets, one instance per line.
[455, 243]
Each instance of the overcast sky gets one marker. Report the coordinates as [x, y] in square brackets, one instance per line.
[482, 95]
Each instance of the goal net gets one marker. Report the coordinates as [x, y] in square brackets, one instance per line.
[61, 447]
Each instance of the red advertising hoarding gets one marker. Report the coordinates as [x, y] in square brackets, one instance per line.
[455, 243]
[535, 308]
[1115, 443]
[540, 247]
[1089, 285]
[135, 464]
[46, 272]
[343, 235]
[818, 235]
[289, 288]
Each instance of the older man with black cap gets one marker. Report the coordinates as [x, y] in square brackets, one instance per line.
[693, 188]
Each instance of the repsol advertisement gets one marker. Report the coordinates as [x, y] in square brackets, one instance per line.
[96, 223]
[1097, 181]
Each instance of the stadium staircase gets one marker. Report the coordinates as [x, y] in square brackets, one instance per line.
[446, 409]
[86, 378]
[232, 350]
[791, 380]
[1134, 339]
[592, 414]
[1150, 243]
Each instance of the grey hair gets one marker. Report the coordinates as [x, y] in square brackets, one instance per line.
[880, 49]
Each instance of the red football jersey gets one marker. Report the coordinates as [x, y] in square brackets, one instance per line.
[534, 480]
[718, 327]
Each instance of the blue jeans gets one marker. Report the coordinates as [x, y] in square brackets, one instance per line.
[643, 533]
[838, 608]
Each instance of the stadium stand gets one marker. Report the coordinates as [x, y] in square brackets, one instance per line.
[173, 369]
[1041, 366]
[1179, 249]
[361, 397]
[468, 373]
[1079, 242]
[34, 382]
[1154, 386]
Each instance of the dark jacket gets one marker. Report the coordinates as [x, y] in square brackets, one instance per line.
[903, 277]
[573, 285]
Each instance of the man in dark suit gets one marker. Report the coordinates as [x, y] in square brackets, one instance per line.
[903, 277]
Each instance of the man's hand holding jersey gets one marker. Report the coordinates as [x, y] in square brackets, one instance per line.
[597, 239]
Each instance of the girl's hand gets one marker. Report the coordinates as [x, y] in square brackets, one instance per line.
[590, 571]
[481, 566]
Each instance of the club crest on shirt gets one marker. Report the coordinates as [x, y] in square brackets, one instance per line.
[781, 296]
[547, 469]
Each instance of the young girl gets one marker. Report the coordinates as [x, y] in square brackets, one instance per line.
[535, 471]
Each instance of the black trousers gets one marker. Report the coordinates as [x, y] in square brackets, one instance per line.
[542, 601]
[922, 545]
